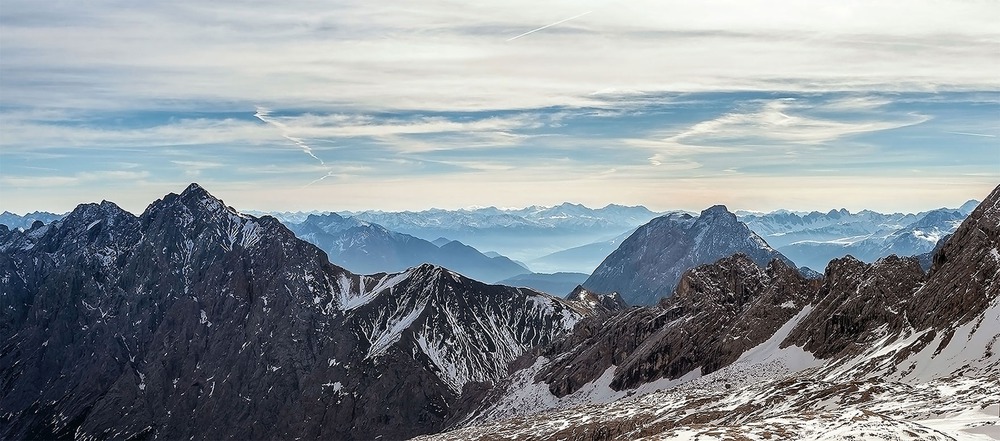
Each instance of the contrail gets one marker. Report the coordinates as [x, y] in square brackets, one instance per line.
[973, 134]
[549, 26]
[263, 115]
[327, 175]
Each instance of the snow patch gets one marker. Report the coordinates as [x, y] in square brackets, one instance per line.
[383, 338]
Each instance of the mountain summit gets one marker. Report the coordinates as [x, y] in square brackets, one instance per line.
[649, 263]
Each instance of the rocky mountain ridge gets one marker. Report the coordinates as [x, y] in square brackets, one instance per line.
[194, 320]
[878, 350]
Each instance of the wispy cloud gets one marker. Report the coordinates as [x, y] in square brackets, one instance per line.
[778, 121]
[775, 131]
[194, 168]
[71, 180]
[444, 55]
[35, 135]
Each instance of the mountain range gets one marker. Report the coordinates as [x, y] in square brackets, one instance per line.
[365, 248]
[12, 220]
[522, 234]
[193, 320]
[560, 284]
[814, 239]
[574, 238]
[871, 351]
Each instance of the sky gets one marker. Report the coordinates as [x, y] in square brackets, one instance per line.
[352, 105]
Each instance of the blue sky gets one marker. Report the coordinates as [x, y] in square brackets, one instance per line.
[349, 105]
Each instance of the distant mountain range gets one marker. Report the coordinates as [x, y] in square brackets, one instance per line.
[549, 238]
[366, 248]
[814, 239]
[557, 284]
[583, 258]
[522, 234]
[12, 220]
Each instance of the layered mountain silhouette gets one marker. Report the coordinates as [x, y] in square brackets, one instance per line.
[522, 234]
[559, 284]
[364, 247]
[815, 239]
[14, 221]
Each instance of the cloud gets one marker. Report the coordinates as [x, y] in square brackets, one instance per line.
[30, 134]
[194, 168]
[452, 56]
[776, 121]
[776, 132]
[81, 178]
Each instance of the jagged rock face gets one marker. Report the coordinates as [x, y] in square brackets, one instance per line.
[600, 303]
[682, 333]
[855, 301]
[893, 352]
[966, 267]
[193, 320]
[648, 265]
[862, 302]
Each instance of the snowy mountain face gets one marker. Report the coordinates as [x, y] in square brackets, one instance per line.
[193, 320]
[871, 351]
[523, 234]
[14, 221]
[650, 262]
[814, 239]
[364, 247]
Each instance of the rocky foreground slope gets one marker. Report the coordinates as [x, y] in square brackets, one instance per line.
[193, 320]
[871, 351]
